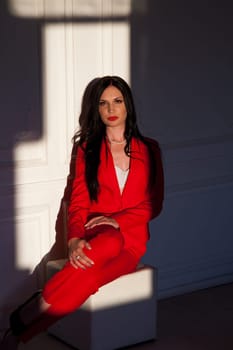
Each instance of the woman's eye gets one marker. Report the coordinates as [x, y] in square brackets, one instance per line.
[101, 103]
[119, 100]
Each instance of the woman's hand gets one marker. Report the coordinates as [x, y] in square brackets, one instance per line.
[76, 255]
[102, 220]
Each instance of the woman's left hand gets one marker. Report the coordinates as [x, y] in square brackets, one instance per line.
[102, 220]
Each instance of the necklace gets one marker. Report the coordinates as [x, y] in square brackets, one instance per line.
[116, 142]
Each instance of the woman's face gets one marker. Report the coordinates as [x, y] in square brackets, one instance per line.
[112, 107]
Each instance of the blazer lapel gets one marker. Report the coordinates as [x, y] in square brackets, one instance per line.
[138, 172]
[107, 169]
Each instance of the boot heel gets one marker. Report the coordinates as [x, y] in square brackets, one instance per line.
[16, 324]
[8, 341]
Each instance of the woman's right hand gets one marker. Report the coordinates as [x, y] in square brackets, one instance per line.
[77, 256]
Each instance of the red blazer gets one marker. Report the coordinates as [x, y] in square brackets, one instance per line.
[132, 209]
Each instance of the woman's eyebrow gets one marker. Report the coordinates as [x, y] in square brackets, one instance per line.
[114, 98]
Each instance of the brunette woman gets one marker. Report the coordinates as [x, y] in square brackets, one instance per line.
[117, 190]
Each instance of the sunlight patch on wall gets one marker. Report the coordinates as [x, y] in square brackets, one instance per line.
[30, 243]
[55, 8]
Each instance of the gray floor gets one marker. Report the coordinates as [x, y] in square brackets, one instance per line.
[201, 320]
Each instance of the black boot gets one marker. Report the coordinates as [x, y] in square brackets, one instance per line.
[17, 326]
[10, 339]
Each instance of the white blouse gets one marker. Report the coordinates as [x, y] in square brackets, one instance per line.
[121, 177]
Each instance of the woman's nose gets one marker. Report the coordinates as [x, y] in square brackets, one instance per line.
[110, 107]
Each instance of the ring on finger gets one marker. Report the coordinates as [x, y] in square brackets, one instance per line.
[77, 257]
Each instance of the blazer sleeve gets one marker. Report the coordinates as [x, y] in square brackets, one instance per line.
[80, 202]
[151, 207]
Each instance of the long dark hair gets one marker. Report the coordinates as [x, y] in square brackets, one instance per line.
[92, 129]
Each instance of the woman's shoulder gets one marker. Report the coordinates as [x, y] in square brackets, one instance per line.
[78, 151]
[80, 146]
[151, 143]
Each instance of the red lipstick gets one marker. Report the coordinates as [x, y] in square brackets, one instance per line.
[112, 118]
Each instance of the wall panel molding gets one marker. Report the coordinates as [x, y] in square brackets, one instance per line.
[208, 140]
[197, 164]
[31, 240]
[187, 277]
[199, 185]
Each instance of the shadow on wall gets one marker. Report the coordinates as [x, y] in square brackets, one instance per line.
[20, 101]
[22, 111]
[22, 121]
[181, 68]
[182, 75]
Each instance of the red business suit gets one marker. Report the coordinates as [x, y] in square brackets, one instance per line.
[115, 252]
[132, 209]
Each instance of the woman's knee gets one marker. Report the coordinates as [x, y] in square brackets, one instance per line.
[110, 241]
[113, 241]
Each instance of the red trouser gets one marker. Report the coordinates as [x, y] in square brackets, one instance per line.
[69, 288]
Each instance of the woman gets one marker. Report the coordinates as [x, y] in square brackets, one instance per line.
[117, 190]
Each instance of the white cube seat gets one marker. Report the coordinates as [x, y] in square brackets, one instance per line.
[122, 313]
